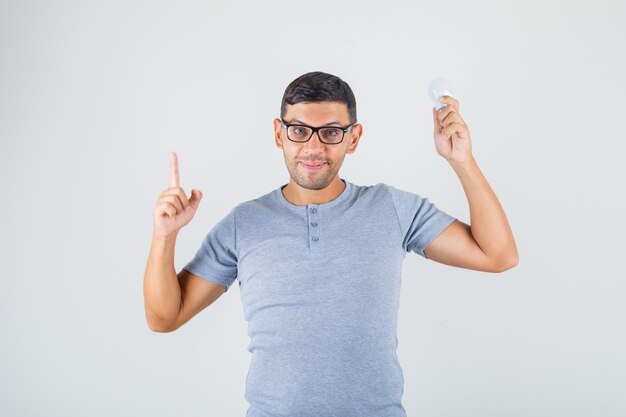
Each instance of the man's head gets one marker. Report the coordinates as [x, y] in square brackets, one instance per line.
[319, 86]
[316, 99]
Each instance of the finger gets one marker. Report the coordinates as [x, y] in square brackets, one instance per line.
[436, 120]
[176, 193]
[171, 200]
[180, 194]
[449, 130]
[443, 113]
[450, 104]
[449, 100]
[174, 180]
[194, 201]
[448, 114]
[451, 117]
[166, 209]
[170, 210]
[455, 128]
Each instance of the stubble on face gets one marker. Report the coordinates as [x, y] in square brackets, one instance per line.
[312, 180]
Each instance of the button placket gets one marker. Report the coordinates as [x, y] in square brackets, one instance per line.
[313, 227]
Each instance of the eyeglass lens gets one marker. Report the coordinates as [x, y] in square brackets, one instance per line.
[303, 133]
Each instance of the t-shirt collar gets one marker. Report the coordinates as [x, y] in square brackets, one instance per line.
[278, 193]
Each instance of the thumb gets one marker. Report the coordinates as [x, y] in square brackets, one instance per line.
[196, 196]
[438, 125]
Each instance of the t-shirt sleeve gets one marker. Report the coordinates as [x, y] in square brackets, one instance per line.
[421, 221]
[216, 259]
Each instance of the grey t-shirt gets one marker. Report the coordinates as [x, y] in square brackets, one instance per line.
[320, 288]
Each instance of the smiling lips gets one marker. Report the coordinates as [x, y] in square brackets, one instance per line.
[313, 165]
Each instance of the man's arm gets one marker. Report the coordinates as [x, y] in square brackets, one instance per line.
[197, 294]
[485, 245]
[171, 300]
[161, 288]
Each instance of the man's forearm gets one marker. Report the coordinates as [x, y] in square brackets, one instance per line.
[489, 224]
[162, 293]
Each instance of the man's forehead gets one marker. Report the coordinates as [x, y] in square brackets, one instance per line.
[318, 113]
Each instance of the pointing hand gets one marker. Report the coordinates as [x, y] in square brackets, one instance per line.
[173, 209]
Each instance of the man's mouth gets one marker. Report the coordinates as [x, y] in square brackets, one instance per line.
[313, 165]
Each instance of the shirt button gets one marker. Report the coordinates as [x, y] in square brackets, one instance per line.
[313, 210]
[314, 224]
[315, 238]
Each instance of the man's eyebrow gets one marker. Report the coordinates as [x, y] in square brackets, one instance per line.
[327, 124]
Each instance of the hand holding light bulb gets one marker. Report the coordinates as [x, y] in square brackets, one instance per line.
[452, 136]
[437, 88]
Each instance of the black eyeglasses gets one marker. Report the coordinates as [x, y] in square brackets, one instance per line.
[331, 135]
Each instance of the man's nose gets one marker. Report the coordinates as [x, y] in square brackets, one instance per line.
[315, 142]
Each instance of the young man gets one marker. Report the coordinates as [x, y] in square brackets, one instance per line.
[319, 259]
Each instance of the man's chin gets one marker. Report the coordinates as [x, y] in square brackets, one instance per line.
[312, 184]
[312, 180]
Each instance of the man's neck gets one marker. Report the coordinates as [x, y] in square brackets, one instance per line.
[300, 196]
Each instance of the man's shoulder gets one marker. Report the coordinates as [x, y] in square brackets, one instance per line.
[383, 192]
[374, 189]
[266, 200]
[395, 191]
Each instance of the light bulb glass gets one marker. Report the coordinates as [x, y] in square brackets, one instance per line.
[439, 87]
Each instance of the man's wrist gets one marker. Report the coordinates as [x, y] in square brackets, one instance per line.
[162, 241]
[464, 168]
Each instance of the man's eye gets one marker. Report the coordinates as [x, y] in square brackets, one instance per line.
[332, 132]
[298, 130]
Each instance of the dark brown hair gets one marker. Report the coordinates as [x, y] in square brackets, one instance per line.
[319, 86]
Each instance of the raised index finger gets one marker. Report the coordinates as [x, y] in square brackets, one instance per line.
[174, 180]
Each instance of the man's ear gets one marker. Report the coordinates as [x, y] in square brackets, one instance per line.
[354, 136]
[278, 127]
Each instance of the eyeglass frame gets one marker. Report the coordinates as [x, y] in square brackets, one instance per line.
[316, 130]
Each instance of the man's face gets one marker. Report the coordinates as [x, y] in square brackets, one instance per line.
[301, 158]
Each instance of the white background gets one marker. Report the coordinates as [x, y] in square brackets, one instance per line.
[94, 96]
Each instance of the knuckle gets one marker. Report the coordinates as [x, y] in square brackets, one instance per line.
[174, 200]
[181, 194]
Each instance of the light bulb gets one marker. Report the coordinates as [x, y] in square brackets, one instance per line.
[437, 88]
